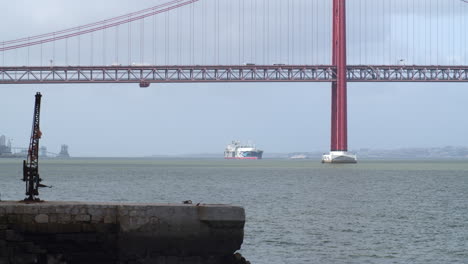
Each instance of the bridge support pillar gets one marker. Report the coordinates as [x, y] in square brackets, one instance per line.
[339, 119]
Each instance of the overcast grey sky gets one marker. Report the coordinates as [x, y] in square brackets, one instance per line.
[124, 120]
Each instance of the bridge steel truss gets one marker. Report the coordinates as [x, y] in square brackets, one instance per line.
[229, 73]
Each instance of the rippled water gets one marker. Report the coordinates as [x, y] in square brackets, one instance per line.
[297, 211]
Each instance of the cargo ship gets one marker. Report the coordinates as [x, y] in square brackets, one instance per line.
[236, 150]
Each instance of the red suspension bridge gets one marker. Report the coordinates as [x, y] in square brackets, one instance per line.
[255, 41]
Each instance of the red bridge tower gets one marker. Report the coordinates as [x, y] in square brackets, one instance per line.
[339, 119]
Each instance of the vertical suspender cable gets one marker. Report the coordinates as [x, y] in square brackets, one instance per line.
[193, 32]
[366, 32]
[79, 48]
[228, 8]
[116, 55]
[453, 33]
[325, 40]
[178, 17]
[391, 59]
[254, 38]
[375, 48]
[217, 33]
[465, 25]
[203, 17]
[92, 49]
[166, 40]
[389, 34]
[407, 31]
[414, 33]
[142, 41]
[154, 40]
[305, 34]
[444, 35]
[457, 9]
[372, 50]
[28, 52]
[316, 31]
[280, 22]
[383, 34]
[299, 28]
[277, 40]
[430, 32]
[104, 46]
[243, 30]
[166, 34]
[179, 44]
[267, 33]
[293, 32]
[464, 31]
[66, 52]
[288, 31]
[461, 24]
[264, 33]
[240, 32]
[425, 32]
[229, 11]
[358, 32]
[129, 46]
[252, 26]
[204, 32]
[437, 32]
[310, 32]
[53, 50]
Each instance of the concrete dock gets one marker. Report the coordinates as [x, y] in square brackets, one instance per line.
[78, 232]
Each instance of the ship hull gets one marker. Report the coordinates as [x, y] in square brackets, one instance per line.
[243, 152]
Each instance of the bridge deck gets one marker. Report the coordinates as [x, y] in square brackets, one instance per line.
[229, 73]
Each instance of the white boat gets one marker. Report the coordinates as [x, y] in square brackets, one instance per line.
[339, 157]
[236, 150]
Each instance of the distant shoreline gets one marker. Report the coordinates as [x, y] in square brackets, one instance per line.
[436, 153]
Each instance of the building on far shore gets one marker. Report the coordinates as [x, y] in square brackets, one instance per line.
[5, 147]
[63, 152]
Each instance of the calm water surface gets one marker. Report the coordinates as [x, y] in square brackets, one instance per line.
[297, 211]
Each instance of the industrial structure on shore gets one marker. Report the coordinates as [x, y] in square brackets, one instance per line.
[5, 146]
[8, 151]
[63, 152]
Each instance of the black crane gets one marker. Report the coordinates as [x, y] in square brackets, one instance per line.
[31, 165]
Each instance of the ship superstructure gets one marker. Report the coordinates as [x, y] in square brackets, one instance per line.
[236, 150]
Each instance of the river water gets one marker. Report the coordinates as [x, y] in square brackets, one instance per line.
[298, 212]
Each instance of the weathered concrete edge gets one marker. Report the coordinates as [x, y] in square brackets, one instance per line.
[205, 229]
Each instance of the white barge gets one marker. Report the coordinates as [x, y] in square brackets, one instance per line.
[339, 157]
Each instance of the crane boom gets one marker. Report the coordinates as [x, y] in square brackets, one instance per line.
[31, 164]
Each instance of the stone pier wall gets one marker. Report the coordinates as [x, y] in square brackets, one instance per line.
[73, 232]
